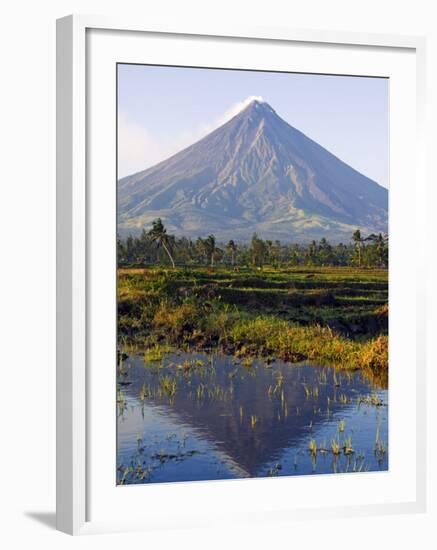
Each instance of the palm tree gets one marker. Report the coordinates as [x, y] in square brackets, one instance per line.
[325, 252]
[276, 251]
[258, 249]
[158, 235]
[217, 254]
[232, 248]
[358, 240]
[269, 247]
[311, 253]
[209, 244]
[379, 243]
[201, 248]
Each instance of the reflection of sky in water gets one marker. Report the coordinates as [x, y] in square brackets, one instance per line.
[226, 420]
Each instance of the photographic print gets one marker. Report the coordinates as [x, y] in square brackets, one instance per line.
[252, 274]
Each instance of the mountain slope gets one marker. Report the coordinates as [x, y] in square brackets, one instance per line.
[254, 173]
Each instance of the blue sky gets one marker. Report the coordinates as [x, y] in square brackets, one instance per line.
[164, 109]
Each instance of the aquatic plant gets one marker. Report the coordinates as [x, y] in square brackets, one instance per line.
[380, 449]
[156, 353]
[313, 446]
[167, 385]
[335, 447]
[347, 446]
[247, 362]
[323, 379]
[274, 471]
[371, 400]
[344, 399]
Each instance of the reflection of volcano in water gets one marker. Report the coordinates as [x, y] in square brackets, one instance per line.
[251, 414]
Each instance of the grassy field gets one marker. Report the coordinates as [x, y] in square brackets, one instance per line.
[336, 316]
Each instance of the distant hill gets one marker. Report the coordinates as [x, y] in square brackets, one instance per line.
[254, 173]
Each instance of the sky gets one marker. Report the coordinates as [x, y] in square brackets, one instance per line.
[161, 110]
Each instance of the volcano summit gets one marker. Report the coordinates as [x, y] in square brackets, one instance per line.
[255, 173]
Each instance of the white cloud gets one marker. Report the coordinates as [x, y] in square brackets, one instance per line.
[138, 150]
[136, 147]
[237, 107]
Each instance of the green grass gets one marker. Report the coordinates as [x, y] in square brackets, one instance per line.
[333, 316]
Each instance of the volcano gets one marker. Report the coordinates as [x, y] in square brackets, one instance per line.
[255, 173]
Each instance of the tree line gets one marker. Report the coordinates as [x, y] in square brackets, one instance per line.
[156, 246]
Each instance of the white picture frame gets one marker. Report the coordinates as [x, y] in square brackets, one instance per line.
[74, 463]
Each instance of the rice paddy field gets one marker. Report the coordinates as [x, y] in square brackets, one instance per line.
[225, 373]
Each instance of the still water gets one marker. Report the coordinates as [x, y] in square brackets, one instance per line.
[199, 416]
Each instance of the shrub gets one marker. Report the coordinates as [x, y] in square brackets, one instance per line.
[174, 317]
[374, 354]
